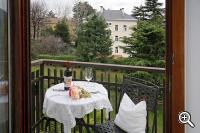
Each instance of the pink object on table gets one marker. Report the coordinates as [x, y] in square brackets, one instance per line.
[74, 92]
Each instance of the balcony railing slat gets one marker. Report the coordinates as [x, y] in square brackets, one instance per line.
[116, 94]
[81, 74]
[74, 75]
[49, 74]
[61, 76]
[37, 100]
[109, 90]
[95, 112]
[41, 92]
[62, 128]
[102, 109]
[55, 75]
[33, 101]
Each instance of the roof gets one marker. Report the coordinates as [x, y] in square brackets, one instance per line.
[116, 15]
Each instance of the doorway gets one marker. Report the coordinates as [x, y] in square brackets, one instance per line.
[174, 23]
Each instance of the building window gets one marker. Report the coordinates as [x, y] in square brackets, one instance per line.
[125, 28]
[109, 24]
[116, 49]
[116, 27]
[116, 38]
[124, 51]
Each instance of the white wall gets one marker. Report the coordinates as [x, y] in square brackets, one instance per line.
[120, 33]
[192, 49]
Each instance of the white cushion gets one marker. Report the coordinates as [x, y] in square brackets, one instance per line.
[131, 118]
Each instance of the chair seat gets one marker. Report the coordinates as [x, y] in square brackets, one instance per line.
[108, 127]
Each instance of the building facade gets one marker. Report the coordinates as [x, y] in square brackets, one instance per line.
[120, 25]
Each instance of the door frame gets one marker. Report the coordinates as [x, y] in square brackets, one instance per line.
[175, 85]
[20, 65]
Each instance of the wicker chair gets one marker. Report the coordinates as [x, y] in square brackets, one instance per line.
[137, 90]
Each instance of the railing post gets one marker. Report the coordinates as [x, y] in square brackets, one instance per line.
[41, 91]
[41, 75]
[42, 81]
[164, 105]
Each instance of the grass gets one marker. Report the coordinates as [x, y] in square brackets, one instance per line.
[100, 73]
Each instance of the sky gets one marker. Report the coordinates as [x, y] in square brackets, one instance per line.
[59, 5]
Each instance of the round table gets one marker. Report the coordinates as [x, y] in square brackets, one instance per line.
[58, 105]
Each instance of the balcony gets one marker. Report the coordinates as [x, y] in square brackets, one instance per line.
[46, 73]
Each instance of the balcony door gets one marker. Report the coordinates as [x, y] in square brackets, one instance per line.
[20, 68]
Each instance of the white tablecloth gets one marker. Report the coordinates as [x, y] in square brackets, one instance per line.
[58, 105]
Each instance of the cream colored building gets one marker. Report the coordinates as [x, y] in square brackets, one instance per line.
[120, 25]
[50, 22]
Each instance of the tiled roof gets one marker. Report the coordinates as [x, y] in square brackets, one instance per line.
[116, 15]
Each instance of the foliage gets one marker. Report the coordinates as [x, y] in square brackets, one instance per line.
[141, 75]
[81, 11]
[146, 46]
[48, 45]
[47, 32]
[72, 30]
[147, 41]
[37, 15]
[57, 57]
[62, 31]
[155, 78]
[51, 14]
[94, 41]
[139, 13]
[152, 10]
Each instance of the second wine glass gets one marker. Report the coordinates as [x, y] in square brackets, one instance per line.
[88, 73]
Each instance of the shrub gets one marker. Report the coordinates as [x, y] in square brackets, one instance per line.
[58, 57]
[48, 45]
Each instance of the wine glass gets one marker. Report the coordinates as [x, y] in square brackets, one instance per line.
[88, 74]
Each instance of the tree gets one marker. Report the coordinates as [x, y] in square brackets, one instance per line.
[152, 10]
[62, 31]
[81, 11]
[47, 31]
[94, 41]
[48, 45]
[147, 41]
[37, 14]
[72, 30]
[51, 14]
[139, 13]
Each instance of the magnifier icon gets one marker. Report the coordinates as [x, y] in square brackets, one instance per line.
[185, 118]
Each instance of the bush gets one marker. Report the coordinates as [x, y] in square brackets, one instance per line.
[142, 75]
[48, 45]
[58, 57]
[155, 78]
